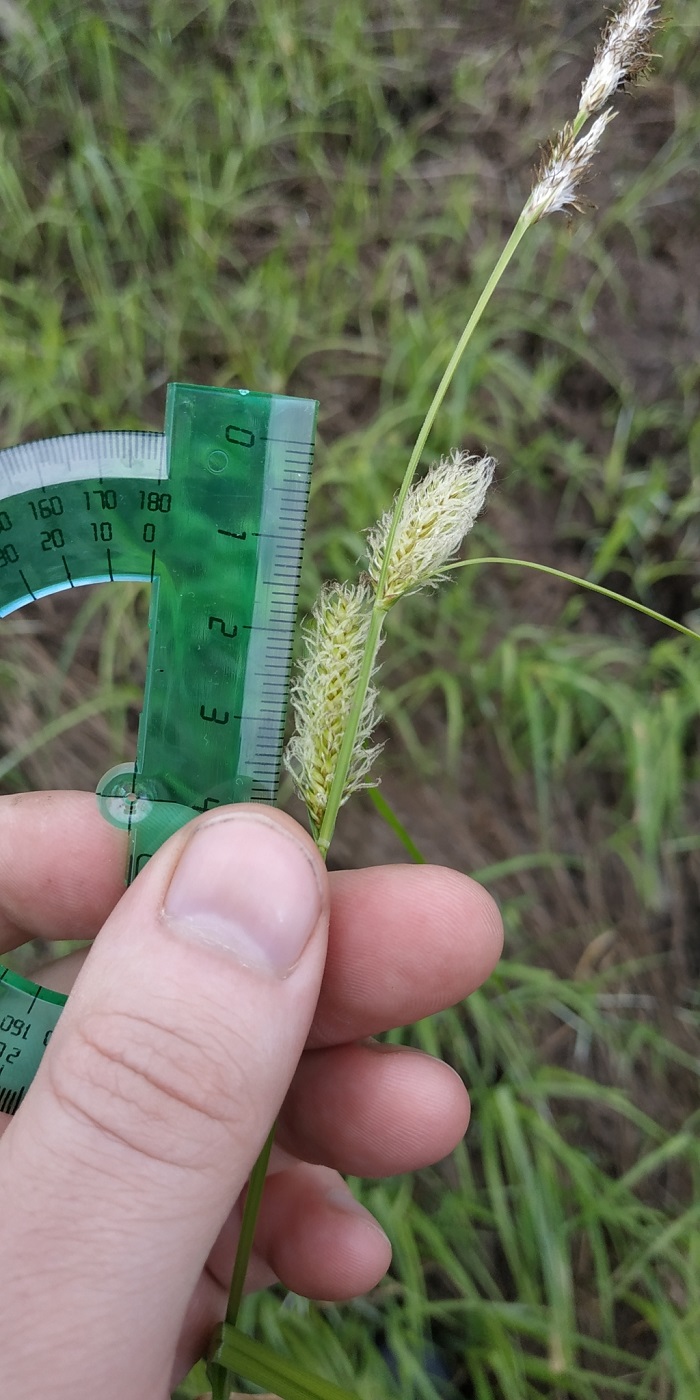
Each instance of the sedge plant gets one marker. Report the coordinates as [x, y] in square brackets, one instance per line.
[412, 546]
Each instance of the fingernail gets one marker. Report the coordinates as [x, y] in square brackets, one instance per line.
[246, 885]
[345, 1201]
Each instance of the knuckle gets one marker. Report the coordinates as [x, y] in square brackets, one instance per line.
[167, 1093]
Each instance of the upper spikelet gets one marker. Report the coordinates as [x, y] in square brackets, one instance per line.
[438, 512]
[623, 53]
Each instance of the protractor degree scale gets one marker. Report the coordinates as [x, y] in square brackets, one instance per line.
[212, 513]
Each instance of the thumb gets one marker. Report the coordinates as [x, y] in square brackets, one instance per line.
[153, 1100]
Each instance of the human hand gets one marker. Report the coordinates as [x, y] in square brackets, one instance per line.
[202, 1013]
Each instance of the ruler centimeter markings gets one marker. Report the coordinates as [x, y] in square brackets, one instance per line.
[212, 513]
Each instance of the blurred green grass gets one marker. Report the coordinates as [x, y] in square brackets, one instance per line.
[302, 196]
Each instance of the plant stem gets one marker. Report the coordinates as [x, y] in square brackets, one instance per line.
[335, 796]
[497, 272]
[579, 121]
[220, 1378]
[381, 605]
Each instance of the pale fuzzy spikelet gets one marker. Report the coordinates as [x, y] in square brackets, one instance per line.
[438, 512]
[623, 54]
[563, 168]
[322, 697]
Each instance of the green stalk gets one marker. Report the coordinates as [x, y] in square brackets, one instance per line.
[220, 1377]
[497, 273]
[335, 796]
[381, 604]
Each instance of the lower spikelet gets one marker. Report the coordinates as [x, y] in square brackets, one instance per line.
[322, 696]
[563, 168]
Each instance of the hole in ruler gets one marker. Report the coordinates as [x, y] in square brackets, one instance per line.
[121, 799]
[217, 461]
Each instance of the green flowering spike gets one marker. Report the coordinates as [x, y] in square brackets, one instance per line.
[437, 513]
[322, 696]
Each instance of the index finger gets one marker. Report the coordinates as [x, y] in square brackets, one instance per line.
[62, 867]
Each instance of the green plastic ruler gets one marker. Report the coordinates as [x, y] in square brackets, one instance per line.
[212, 513]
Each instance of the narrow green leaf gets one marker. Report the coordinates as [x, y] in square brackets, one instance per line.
[389, 815]
[218, 1376]
[580, 583]
[257, 1363]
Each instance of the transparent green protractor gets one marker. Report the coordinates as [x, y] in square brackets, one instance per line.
[213, 514]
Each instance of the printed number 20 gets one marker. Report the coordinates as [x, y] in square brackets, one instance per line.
[52, 539]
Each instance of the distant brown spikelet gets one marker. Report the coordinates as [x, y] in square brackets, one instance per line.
[623, 54]
[563, 168]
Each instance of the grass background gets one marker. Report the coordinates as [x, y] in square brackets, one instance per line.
[305, 196]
